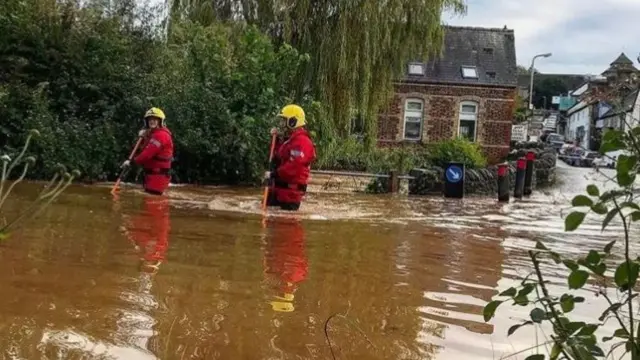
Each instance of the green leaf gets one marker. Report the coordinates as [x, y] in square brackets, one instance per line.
[611, 194]
[609, 246]
[592, 190]
[629, 204]
[613, 308]
[526, 290]
[577, 279]
[625, 179]
[626, 274]
[567, 304]
[608, 218]
[600, 269]
[521, 300]
[572, 327]
[635, 216]
[556, 257]
[621, 333]
[626, 163]
[599, 208]
[593, 257]
[571, 265]
[540, 246]
[4, 236]
[538, 315]
[509, 292]
[588, 329]
[490, 309]
[581, 200]
[535, 357]
[578, 299]
[573, 220]
[517, 326]
[555, 351]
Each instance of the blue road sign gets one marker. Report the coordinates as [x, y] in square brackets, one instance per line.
[454, 174]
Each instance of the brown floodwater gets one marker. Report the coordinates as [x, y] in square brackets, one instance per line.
[199, 275]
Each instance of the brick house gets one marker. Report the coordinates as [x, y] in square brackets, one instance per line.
[469, 91]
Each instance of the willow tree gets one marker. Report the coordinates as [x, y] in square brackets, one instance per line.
[357, 47]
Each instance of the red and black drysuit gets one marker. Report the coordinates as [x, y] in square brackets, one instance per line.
[155, 159]
[290, 170]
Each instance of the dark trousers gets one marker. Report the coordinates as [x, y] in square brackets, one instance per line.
[273, 201]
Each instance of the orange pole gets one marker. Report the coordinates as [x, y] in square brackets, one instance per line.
[266, 188]
[133, 152]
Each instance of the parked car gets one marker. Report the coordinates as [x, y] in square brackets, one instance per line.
[586, 160]
[573, 156]
[555, 140]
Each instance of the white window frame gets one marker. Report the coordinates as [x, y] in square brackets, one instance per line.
[469, 68]
[412, 113]
[467, 116]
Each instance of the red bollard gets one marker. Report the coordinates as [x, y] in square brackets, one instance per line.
[521, 168]
[503, 182]
[528, 175]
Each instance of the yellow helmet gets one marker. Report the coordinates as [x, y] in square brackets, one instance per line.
[282, 306]
[293, 115]
[156, 113]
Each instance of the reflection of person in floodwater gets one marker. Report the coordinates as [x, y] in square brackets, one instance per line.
[285, 260]
[149, 232]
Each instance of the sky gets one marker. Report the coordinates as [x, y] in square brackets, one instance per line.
[584, 36]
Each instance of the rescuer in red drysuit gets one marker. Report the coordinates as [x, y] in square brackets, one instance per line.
[285, 260]
[292, 161]
[157, 153]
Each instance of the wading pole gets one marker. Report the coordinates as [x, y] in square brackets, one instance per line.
[133, 152]
[503, 182]
[266, 188]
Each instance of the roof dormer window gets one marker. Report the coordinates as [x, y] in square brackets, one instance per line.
[469, 72]
[416, 69]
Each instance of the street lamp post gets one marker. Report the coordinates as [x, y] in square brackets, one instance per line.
[531, 73]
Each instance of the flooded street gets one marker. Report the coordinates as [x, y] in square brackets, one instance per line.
[99, 278]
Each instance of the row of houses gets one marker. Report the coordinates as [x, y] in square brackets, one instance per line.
[607, 101]
[468, 91]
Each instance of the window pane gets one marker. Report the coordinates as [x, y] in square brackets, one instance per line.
[468, 109]
[413, 119]
[469, 72]
[412, 130]
[414, 105]
[467, 129]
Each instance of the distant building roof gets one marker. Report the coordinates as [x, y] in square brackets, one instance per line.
[490, 51]
[628, 103]
[572, 81]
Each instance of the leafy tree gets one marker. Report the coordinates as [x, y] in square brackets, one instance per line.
[357, 48]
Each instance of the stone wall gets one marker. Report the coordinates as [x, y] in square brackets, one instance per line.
[496, 108]
[485, 181]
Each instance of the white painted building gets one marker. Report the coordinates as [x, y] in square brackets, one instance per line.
[579, 124]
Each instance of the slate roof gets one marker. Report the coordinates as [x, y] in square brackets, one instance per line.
[490, 50]
[628, 103]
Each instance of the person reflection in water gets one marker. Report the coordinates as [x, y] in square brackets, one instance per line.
[149, 232]
[285, 260]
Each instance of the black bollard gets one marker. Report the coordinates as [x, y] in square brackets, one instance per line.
[454, 180]
[521, 167]
[528, 175]
[503, 182]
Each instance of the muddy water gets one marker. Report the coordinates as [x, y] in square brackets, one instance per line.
[98, 277]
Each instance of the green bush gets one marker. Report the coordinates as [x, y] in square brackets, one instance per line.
[353, 155]
[85, 77]
[457, 150]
